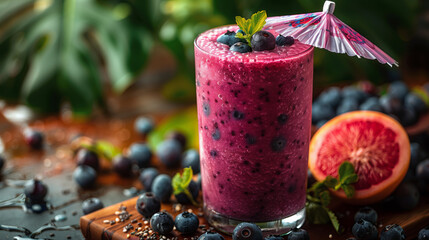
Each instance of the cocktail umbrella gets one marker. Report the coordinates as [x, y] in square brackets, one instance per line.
[324, 30]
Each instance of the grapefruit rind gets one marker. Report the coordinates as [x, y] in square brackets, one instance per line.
[376, 192]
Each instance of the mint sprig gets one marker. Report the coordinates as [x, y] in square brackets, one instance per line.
[250, 26]
[318, 196]
[181, 182]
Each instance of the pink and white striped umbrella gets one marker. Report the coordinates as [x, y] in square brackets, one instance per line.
[324, 30]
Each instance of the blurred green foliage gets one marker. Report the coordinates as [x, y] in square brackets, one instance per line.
[54, 51]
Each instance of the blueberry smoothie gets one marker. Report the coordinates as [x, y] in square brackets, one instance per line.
[254, 115]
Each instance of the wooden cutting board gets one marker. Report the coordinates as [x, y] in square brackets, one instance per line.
[93, 226]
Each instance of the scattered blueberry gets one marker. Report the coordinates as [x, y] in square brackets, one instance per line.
[366, 213]
[148, 204]
[35, 190]
[88, 158]
[414, 101]
[274, 237]
[141, 154]
[392, 232]
[123, 166]
[406, 196]
[187, 222]
[390, 104]
[321, 111]
[91, 205]
[162, 188]
[169, 152]
[240, 47]
[422, 175]
[144, 125]
[408, 117]
[278, 144]
[354, 93]
[371, 104]
[364, 230]
[179, 136]
[416, 154]
[147, 176]
[298, 234]
[211, 236]
[398, 89]
[282, 40]
[229, 38]
[348, 105]
[191, 158]
[263, 40]
[162, 223]
[423, 234]
[193, 189]
[332, 97]
[34, 138]
[247, 231]
[85, 176]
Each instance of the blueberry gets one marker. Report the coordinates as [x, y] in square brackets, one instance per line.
[191, 158]
[320, 112]
[408, 117]
[169, 152]
[406, 196]
[240, 47]
[162, 188]
[147, 176]
[85, 176]
[263, 40]
[416, 154]
[148, 204]
[282, 40]
[2, 162]
[162, 223]
[422, 175]
[332, 97]
[140, 154]
[366, 213]
[187, 222]
[193, 189]
[392, 232]
[371, 104]
[91, 205]
[414, 101]
[247, 231]
[229, 38]
[123, 166]
[274, 237]
[241, 31]
[390, 104]
[347, 105]
[144, 125]
[35, 190]
[88, 158]
[398, 90]
[298, 234]
[423, 234]
[355, 93]
[364, 230]
[179, 136]
[278, 144]
[211, 236]
[34, 138]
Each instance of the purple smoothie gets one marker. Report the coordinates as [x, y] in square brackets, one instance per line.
[254, 115]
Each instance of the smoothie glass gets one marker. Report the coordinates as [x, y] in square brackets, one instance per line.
[254, 116]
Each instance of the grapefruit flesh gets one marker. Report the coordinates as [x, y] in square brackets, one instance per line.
[376, 145]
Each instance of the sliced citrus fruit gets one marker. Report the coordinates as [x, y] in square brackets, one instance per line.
[376, 145]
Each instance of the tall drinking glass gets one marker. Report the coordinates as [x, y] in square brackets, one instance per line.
[254, 116]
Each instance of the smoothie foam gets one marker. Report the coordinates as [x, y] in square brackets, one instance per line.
[254, 114]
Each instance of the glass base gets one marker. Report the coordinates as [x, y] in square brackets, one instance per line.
[277, 227]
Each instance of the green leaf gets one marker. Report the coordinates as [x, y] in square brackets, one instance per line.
[346, 169]
[349, 190]
[252, 25]
[325, 198]
[353, 178]
[316, 214]
[180, 184]
[333, 219]
[330, 182]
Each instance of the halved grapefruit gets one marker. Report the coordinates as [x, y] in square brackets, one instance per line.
[376, 145]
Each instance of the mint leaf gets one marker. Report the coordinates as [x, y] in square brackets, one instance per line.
[346, 169]
[250, 26]
[316, 214]
[106, 149]
[349, 190]
[186, 177]
[180, 184]
[330, 182]
[333, 219]
[325, 198]
[350, 179]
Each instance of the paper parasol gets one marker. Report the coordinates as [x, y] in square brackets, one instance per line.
[324, 30]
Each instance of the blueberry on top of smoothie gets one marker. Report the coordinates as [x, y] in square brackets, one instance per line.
[229, 38]
[240, 47]
[263, 40]
[284, 41]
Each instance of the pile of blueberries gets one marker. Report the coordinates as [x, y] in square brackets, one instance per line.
[260, 41]
[399, 102]
[365, 228]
